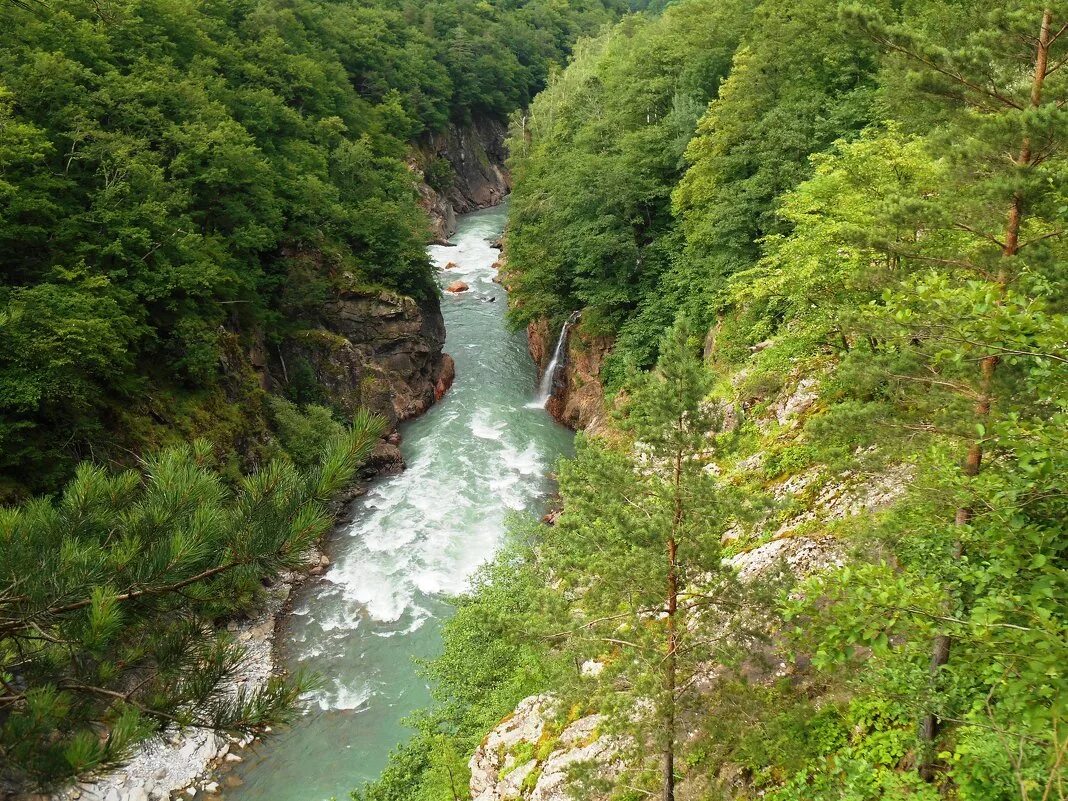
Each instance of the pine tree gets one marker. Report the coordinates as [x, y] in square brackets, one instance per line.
[1001, 94]
[109, 594]
[638, 547]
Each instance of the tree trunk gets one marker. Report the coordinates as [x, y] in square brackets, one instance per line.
[987, 366]
[670, 666]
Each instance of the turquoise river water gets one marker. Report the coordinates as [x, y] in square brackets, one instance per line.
[477, 457]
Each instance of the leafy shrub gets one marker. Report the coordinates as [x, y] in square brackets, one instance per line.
[303, 432]
[438, 174]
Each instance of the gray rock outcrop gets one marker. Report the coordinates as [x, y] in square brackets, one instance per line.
[380, 351]
[476, 153]
[527, 757]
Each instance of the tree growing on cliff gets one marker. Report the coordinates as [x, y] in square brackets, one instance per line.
[109, 593]
[984, 294]
[638, 548]
[960, 357]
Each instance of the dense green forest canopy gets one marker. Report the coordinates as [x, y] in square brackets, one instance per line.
[852, 219]
[635, 195]
[175, 175]
[828, 241]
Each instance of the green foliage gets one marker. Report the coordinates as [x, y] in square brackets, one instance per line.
[109, 591]
[438, 174]
[955, 353]
[874, 201]
[303, 433]
[601, 160]
[172, 172]
[597, 156]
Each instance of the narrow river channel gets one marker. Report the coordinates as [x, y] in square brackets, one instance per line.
[481, 454]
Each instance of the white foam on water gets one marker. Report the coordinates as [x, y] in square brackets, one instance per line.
[341, 617]
[526, 462]
[420, 535]
[342, 697]
[484, 428]
[411, 628]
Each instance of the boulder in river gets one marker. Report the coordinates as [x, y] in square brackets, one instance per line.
[385, 459]
[451, 266]
[445, 377]
[456, 287]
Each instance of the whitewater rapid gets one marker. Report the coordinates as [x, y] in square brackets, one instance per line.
[482, 454]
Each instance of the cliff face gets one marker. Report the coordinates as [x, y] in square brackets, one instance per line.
[379, 351]
[479, 179]
[577, 398]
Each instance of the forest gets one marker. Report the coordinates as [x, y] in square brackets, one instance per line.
[828, 244]
[179, 182]
[166, 169]
[816, 551]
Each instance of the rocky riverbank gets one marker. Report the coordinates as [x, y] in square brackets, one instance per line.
[179, 764]
[478, 178]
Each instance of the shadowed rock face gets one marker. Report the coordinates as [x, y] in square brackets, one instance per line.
[480, 179]
[381, 351]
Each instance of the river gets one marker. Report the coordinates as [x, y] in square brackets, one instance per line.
[478, 456]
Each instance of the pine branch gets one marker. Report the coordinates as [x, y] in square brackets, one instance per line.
[882, 35]
[19, 625]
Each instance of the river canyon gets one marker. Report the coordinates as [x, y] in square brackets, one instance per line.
[482, 454]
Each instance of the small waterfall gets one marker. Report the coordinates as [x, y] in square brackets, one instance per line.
[545, 388]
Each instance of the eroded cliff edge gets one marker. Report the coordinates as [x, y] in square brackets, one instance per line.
[379, 351]
[462, 170]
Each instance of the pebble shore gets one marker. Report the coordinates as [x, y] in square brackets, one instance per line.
[177, 765]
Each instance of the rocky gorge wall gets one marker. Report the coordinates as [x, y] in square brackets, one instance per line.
[477, 179]
[378, 351]
[577, 397]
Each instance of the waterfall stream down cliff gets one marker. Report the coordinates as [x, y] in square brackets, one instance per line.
[478, 456]
[545, 386]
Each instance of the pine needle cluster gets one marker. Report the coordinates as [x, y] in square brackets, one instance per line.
[110, 594]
